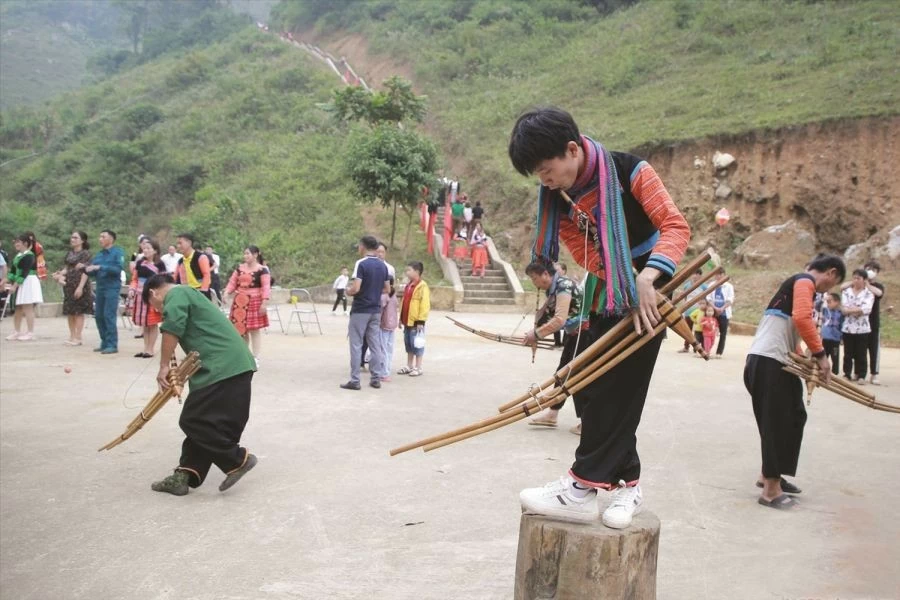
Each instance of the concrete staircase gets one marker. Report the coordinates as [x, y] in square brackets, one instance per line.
[491, 293]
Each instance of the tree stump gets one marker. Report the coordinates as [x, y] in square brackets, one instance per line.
[558, 560]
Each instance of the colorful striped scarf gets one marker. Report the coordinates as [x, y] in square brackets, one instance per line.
[619, 295]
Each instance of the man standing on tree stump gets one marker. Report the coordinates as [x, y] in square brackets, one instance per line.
[621, 217]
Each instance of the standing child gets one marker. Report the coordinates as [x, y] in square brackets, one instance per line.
[710, 326]
[389, 322]
[697, 315]
[413, 314]
[831, 319]
[340, 285]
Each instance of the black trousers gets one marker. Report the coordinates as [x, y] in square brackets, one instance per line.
[610, 409]
[339, 297]
[213, 419]
[779, 411]
[698, 335]
[216, 285]
[568, 353]
[690, 323]
[833, 350]
[874, 347]
[557, 338]
[856, 348]
[723, 333]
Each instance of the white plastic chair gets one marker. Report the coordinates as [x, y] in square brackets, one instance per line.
[300, 309]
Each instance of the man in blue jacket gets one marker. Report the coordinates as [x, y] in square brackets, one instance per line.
[106, 268]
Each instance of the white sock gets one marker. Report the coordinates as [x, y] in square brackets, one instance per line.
[579, 491]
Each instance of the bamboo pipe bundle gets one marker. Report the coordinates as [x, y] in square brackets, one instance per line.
[618, 330]
[529, 407]
[625, 329]
[808, 370]
[602, 365]
[178, 376]
[503, 339]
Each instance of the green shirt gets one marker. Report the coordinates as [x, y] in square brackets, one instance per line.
[199, 325]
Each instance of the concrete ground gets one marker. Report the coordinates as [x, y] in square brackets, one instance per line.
[328, 514]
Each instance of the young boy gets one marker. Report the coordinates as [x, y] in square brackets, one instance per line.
[413, 314]
[696, 316]
[621, 217]
[218, 406]
[831, 319]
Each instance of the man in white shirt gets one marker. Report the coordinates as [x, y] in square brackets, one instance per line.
[170, 259]
[722, 299]
[216, 282]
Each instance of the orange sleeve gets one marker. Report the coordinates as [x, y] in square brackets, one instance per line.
[206, 271]
[802, 314]
[674, 231]
[134, 280]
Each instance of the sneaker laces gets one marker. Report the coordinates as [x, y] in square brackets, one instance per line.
[624, 495]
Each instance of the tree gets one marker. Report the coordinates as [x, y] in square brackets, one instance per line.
[392, 165]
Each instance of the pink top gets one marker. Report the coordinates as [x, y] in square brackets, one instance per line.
[252, 283]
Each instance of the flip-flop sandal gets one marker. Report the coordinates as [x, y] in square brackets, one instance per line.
[403, 371]
[786, 486]
[542, 423]
[782, 502]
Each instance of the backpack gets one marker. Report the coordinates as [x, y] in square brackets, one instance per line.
[40, 261]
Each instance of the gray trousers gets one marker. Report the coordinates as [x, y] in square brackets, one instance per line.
[365, 326]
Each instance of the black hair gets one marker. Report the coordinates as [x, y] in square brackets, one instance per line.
[26, 238]
[369, 242]
[873, 264]
[188, 236]
[155, 282]
[85, 245]
[478, 203]
[380, 244]
[825, 262]
[110, 232]
[536, 268]
[392, 291]
[259, 255]
[699, 271]
[835, 296]
[862, 273]
[417, 266]
[541, 134]
[563, 266]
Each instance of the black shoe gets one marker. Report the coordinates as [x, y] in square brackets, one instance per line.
[351, 385]
[786, 486]
[137, 337]
[375, 384]
[234, 476]
[139, 355]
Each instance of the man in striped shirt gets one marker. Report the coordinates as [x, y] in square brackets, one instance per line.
[777, 394]
[619, 195]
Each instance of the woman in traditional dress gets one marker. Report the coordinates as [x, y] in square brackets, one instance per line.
[146, 265]
[250, 284]
[479, 251]
[78, 298]
[25, 285]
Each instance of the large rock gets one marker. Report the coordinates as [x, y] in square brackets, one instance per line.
[722, 160]
[884, 247]
[779, 246]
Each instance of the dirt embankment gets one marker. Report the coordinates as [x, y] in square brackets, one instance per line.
[838, 180]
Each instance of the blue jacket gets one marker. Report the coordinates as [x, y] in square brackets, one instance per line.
[831, 324]
[111, 262]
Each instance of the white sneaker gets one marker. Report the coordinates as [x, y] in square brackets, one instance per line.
[626, 502]
[555, 500]
[257, 362]
[874, 380]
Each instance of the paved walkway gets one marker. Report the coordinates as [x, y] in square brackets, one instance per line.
[328, 514]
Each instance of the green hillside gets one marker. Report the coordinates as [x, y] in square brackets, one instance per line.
[226, 142]
[643, 74]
